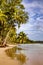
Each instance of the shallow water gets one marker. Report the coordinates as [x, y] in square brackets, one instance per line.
[33, 53]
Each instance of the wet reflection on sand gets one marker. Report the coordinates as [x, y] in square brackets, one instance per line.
[14, 53]
[31, 54]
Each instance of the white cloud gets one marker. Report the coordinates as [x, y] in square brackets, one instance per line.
[40, 19]
[35, 25]
[33, 4]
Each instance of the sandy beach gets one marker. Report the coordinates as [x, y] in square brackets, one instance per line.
[34, 52]
[5, 60]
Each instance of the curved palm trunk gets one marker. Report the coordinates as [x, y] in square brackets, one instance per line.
[4, 42]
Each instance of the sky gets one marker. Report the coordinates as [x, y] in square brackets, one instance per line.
[34, 27]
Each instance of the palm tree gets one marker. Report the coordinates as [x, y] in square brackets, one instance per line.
[12, 14]
[3, 19]
[22, 37]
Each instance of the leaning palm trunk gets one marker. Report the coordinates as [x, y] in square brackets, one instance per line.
[5, 40]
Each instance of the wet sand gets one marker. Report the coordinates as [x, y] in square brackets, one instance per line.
[34, 53]
[5, 60]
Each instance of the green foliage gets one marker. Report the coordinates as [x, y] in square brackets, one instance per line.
[22, 38]
[11, 13]
[12, 36]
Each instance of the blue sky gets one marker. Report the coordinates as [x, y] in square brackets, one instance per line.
[34, 27]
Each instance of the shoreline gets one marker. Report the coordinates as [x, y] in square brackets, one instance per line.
[34, 50]
[5, 60]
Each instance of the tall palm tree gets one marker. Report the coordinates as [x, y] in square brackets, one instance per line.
[12, 13]
[3, 19]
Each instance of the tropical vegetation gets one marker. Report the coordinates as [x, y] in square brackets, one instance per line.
[12, 14]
